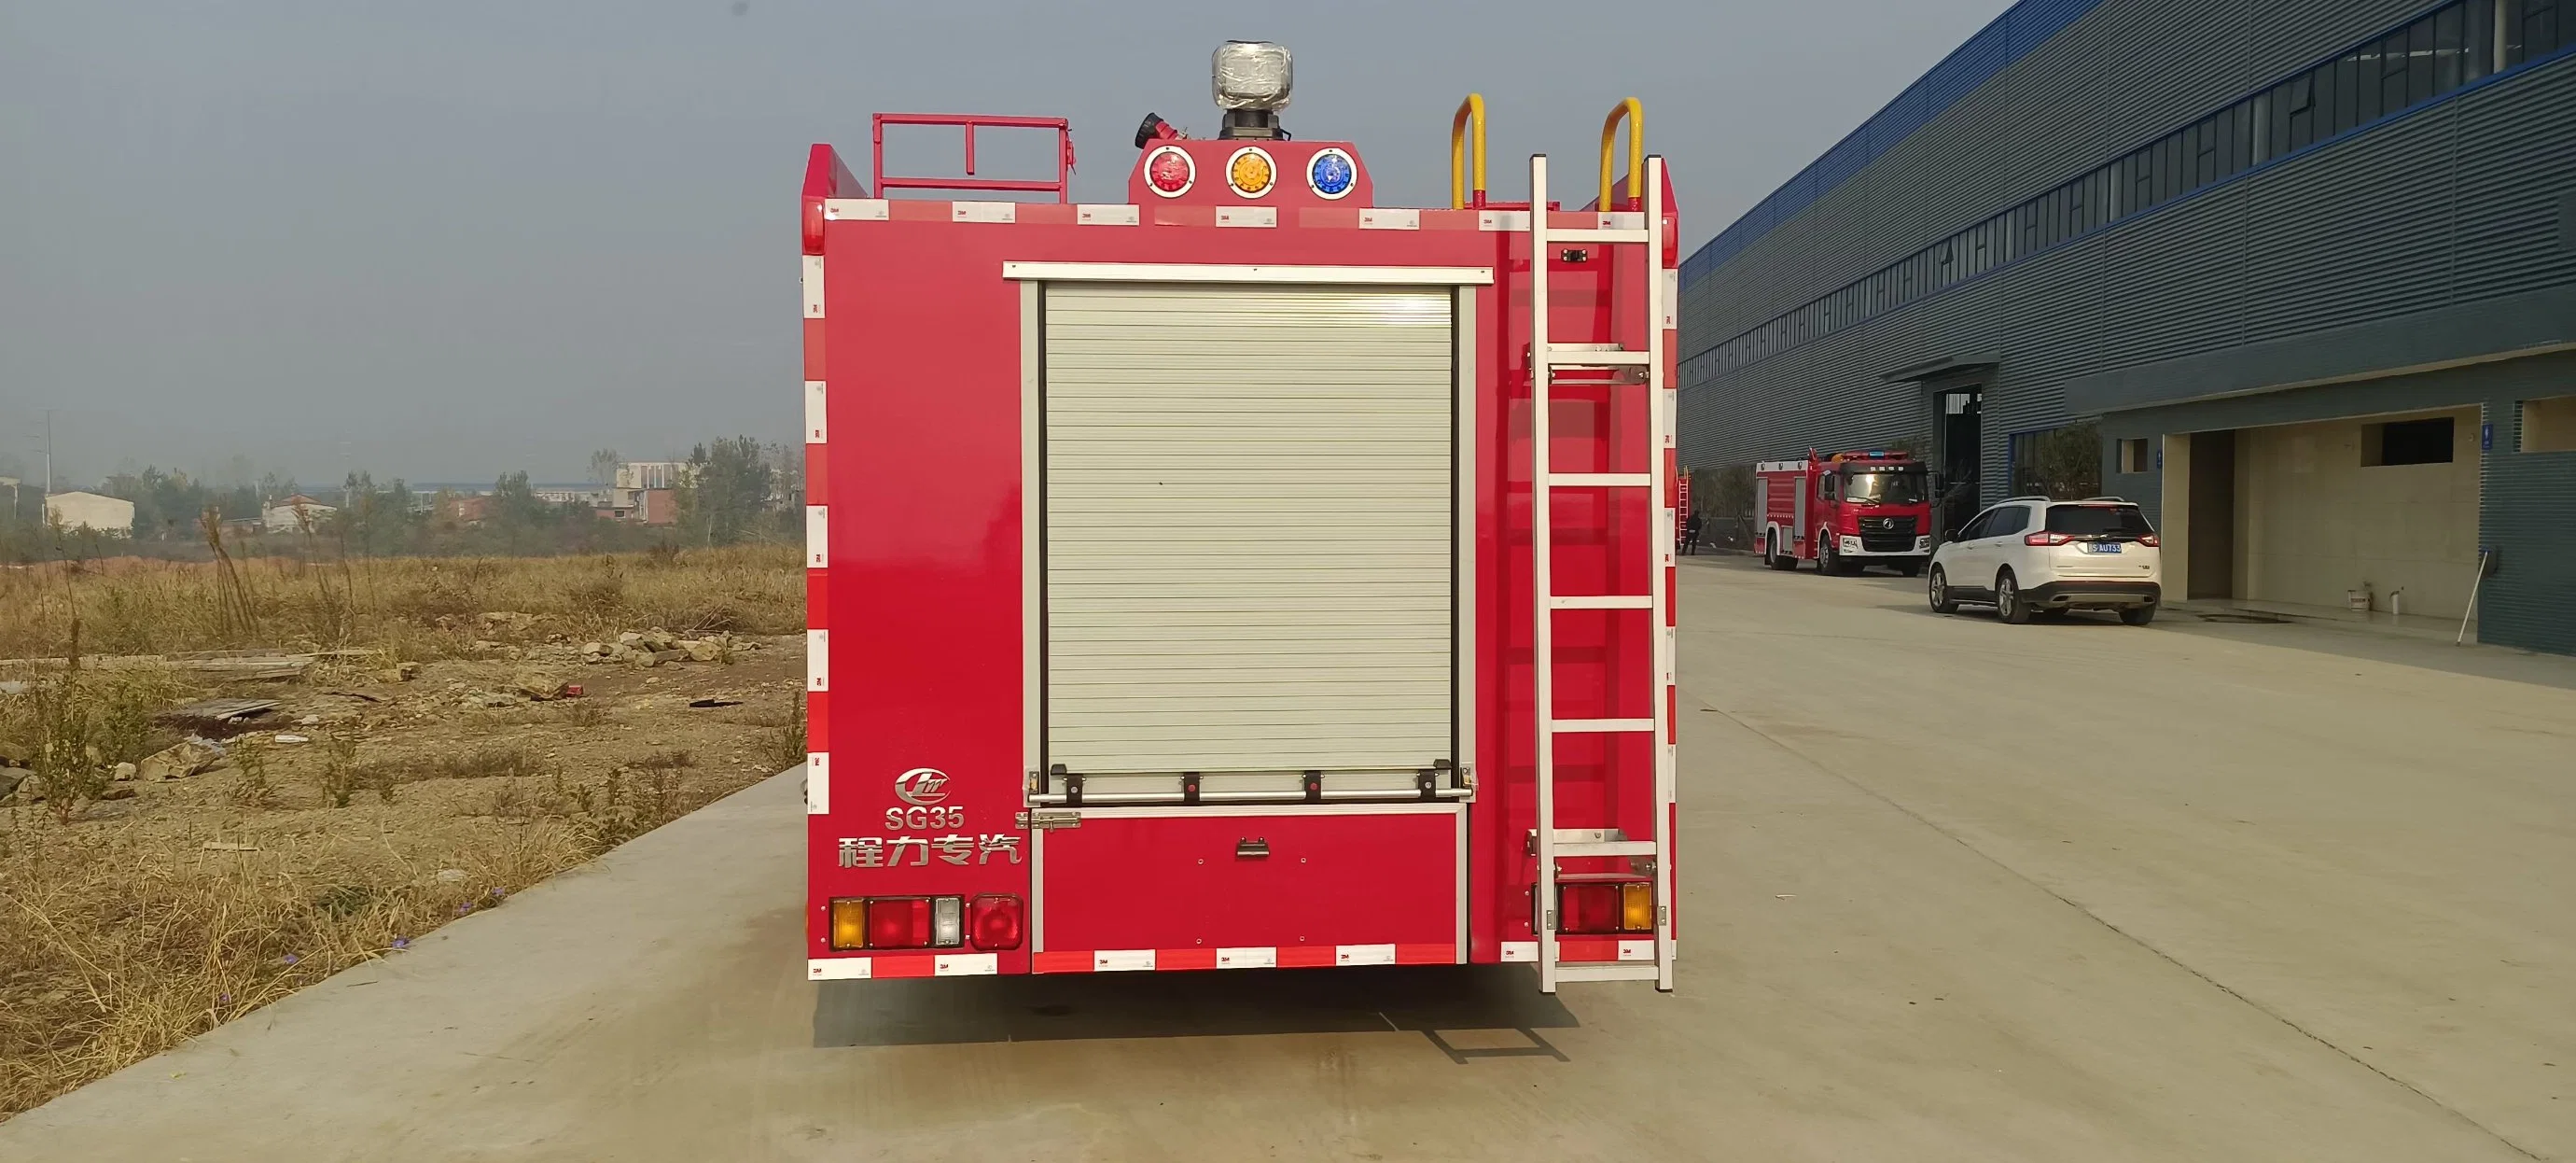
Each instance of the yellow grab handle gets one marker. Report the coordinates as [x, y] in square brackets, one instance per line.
[1470, 112]
[1635, 115]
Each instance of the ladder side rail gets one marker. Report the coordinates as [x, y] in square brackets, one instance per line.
[1666, 693]
[1542, 515]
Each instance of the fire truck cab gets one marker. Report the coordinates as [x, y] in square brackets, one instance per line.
[1243, 575]
[1845, 512]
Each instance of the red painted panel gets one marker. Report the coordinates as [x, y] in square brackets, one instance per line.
[1336, 877]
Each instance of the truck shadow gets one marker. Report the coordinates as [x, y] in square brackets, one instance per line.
[1060, 1007]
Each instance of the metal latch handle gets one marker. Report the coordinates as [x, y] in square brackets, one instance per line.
[1252, 848]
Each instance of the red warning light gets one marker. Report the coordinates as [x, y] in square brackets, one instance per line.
[1170, 172]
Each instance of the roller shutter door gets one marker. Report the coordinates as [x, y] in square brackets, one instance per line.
[1249, 505]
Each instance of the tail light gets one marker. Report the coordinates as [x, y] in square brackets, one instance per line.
[899, 923]
[1604, 907]
[2048, 539]
[905, 922]
[2149, 540]
[849, 923]
[994, 922]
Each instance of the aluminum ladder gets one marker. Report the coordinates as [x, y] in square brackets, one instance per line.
[1546, 359]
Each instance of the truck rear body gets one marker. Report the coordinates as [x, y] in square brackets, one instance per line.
[1171, 581]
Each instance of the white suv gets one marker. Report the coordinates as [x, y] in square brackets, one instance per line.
[2032, 555]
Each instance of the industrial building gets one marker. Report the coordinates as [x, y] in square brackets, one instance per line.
[2302, 276]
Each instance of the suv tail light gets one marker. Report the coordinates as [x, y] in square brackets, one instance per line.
[2149, 540]
[2048, 539]
[994, 922]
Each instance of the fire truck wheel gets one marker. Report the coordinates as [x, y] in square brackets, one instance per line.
[2009, 606]
[1939, 592]
[1773, 557]
[1828, 561]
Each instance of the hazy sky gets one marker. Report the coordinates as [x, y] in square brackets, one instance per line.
[444, 240]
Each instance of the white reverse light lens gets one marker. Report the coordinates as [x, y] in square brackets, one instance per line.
[1251, 74]
[947, 921]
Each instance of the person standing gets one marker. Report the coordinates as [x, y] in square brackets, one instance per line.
[1690, 534]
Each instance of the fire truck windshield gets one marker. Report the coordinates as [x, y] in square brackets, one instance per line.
[1885, 487]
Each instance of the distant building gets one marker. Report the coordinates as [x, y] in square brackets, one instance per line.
[453, 509]
[655, 474]
[92, 511]
[294, 513]
[657, 507]
[573, 495]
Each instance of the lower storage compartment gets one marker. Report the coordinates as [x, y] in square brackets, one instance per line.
[1349, 884]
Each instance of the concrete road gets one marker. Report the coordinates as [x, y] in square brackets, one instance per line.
[1955, 891]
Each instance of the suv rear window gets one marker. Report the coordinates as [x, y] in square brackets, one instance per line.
[2111, 522]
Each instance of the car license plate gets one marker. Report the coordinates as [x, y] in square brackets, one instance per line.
[2101, 547]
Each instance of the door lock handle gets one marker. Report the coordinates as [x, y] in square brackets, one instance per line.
[1255, 848]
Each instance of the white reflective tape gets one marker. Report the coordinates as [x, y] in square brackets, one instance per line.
[854, 209]
[983, 211]
[1390, 219]
[1363, 954]
[1247, 216]
[1520, 950]
[1504, 220]
[1122, 960]
[818, 536]
[1247, 958]
[1623, 220]
[813, 286]
[1637, 950]
[1106, 215]
[818, 662]
[1672, 295]
[818, 783]
[813, 411]
[839, 969]
[964, 965]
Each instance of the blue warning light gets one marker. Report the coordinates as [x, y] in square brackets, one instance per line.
[1331, 173]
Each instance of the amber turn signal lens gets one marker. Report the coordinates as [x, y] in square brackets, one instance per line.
[849, 923]
[1637, 908]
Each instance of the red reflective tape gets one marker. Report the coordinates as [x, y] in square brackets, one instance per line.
[1307, 956]
[1588, 948]
[818, 721]
[1672, 596]
[1328, 217]
[813, 351]
[1453, 220]
[1184, 215]
[1045, 213]
[1426, 954]
[908, 210]
[1672, 713]
[903, 965]
[1184, 958]
[1053, 962]
[818, 479]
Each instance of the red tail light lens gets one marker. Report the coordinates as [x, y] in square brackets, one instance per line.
[2149, 541]
[2048, 539]
[899, 923]
[994, 922]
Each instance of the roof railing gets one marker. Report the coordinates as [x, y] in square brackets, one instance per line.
[1061, 187]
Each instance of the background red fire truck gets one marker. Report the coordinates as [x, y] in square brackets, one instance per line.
[1845, 512]
[1245, 574]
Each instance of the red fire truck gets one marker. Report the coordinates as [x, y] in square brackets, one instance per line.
[1845, 512]
[1243, 575]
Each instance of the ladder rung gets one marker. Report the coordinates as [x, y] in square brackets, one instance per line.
[1602, 602]
[1599, 726]
[1606, 971]
[1555, 235]
[1599, 480]
[1584, 355]
[1605, 848]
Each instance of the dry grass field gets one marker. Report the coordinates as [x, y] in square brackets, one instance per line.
[425, 761]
